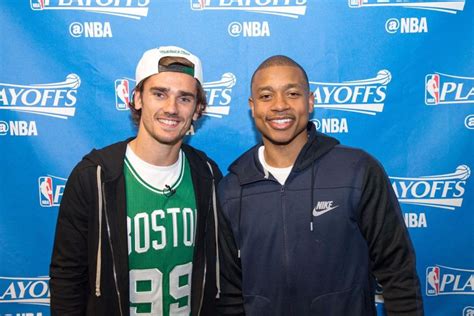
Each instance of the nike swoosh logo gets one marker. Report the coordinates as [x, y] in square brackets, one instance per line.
[319, 213]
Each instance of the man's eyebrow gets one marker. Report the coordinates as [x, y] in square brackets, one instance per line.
[294, 85]
[265, 88]
[179, 92]
[161, 89]
[285, 87]
[186, 93]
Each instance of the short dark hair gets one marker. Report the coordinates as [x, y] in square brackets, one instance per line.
[201, 101]
[280, 60]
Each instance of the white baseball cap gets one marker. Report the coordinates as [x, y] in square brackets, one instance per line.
[149, 63]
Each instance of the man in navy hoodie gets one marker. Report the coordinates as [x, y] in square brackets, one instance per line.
[308, 226]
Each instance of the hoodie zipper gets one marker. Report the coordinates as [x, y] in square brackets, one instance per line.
[285, 235]
[112, 250]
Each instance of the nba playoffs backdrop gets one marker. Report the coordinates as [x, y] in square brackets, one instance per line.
[394, 77]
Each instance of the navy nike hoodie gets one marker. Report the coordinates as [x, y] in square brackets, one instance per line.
[317, 244]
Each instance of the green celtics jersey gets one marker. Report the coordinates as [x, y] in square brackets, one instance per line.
[161, 230]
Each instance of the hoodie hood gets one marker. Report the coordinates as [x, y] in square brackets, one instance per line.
[248, 169]
[110, 159]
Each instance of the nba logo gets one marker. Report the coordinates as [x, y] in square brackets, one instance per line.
[38, 4]
[432, 281]
[432, 89]
[51, 190]
[122, 94]
[199, 4]
[46, 191]
[356, 3]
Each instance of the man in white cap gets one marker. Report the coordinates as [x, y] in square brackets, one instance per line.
[136, 229]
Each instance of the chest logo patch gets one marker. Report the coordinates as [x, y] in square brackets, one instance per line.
[323, 207]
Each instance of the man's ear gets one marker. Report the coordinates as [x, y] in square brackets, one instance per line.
[137, 100]
[311, 102]
[197, 111]
[251, 105]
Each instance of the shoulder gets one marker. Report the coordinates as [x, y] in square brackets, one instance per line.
[350, 153]
[350, 157]
[348, 166]
[110, 158]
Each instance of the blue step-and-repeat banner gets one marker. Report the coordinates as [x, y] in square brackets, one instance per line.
[394, 77]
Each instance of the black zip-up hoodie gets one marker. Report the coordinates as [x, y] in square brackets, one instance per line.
[89, 266]
[314, 245]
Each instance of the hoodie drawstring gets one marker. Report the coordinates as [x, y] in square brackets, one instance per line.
[314, 170]
[240, 219]
[99, 240]
[216, 230]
